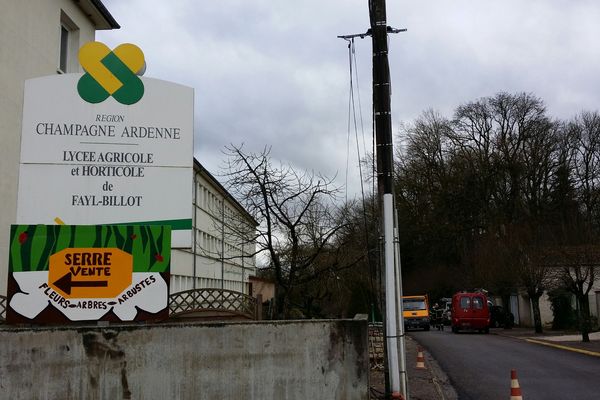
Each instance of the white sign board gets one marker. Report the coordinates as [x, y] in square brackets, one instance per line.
[107, 163]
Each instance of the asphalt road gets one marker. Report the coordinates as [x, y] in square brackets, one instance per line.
[479, 365]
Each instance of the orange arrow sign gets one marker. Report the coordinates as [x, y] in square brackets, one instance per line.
[90, 272]
[66, 283]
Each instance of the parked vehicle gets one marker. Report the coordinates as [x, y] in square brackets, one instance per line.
[501, 318]
[470, 311]
[416, 312]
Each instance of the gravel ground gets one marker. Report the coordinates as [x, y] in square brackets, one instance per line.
[428, 384]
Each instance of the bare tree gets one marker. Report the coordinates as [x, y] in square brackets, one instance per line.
[510, 142]
[296, 215]
[585, 130]
[426, 190]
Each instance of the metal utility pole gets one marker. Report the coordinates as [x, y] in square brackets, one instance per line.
[385, 184]
[394, 325]
[381, 97]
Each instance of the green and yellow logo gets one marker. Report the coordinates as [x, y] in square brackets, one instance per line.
[111, 73]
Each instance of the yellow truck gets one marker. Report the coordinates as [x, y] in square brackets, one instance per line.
[415, 310]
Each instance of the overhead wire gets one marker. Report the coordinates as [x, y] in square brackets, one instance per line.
[353, 118]
[350, 100]
[352, 56]
[362, 127]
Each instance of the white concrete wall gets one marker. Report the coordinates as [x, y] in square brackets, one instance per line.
[596, 303]
[29, 47]
[525, 316]
[546, 310]
[253, 361]
[546, 307]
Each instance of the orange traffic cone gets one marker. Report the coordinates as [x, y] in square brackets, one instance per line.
[420, 359]
[515, 389]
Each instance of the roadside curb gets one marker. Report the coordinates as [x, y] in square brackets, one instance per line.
[551, 344]
[563, 347]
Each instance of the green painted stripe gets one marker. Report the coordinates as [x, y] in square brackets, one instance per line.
[176, 224]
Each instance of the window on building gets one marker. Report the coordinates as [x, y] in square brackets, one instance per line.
[64, 47]
[199, 195]
[68, 45]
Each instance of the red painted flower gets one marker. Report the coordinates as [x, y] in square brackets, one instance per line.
[23, 237]
[158, 257]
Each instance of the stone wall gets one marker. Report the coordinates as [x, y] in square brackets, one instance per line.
[316, 359]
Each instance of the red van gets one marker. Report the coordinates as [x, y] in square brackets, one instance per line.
[470, 311]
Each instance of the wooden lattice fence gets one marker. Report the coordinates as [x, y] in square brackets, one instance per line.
[212, 300]
[3, 304]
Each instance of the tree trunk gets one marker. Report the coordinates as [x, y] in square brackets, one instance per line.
[537, 317]
[584, 317]
[281, 302]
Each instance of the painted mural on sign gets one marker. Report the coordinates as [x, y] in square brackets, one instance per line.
[88, 273]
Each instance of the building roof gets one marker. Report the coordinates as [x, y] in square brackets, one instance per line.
[97, 12]
[221, 188]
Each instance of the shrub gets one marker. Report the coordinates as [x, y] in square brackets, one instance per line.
[565, 317]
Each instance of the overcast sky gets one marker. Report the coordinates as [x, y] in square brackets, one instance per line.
[273, 73]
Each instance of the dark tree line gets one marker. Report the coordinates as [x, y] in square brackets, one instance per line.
[500, 195]
[488, 197]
